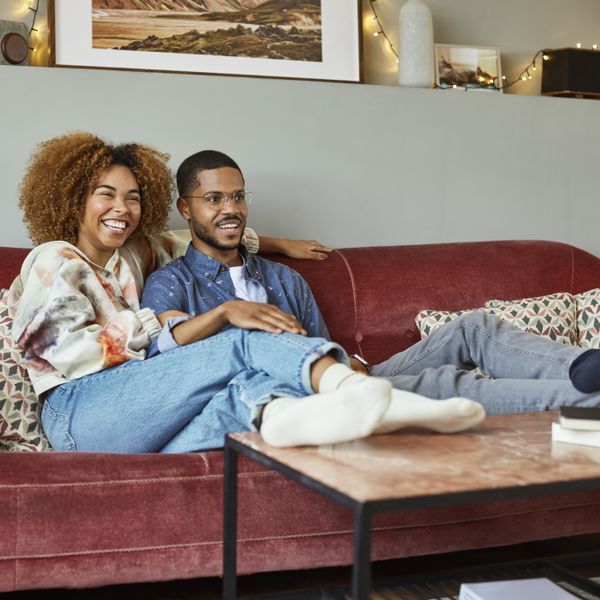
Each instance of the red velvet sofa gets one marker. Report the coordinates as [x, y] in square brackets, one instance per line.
[84, 519]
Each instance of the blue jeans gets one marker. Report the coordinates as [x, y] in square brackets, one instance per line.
[531, 373]
[186, 399]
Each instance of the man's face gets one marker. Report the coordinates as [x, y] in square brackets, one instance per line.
[216, 230]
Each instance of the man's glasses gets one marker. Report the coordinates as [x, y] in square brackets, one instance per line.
[218, 200]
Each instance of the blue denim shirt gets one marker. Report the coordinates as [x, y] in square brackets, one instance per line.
[196, 283]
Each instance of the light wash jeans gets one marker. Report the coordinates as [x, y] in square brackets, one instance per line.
[531, 373]
[183, 400]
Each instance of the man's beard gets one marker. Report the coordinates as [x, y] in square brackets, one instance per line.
[202, 234]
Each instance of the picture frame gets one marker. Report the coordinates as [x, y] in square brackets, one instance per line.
[470, 67]
[321, 39]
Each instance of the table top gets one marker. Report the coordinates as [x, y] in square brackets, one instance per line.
[505, 453]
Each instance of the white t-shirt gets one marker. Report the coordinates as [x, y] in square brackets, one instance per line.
[246, 289]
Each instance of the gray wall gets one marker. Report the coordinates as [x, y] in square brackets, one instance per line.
[348, 164]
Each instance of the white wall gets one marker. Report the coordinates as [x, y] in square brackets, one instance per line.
[348, 164]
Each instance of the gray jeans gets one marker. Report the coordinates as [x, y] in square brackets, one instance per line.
[530, 373]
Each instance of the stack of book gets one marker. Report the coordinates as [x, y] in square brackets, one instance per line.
[577, 425]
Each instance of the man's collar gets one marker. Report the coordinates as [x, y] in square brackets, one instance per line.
[211, 266]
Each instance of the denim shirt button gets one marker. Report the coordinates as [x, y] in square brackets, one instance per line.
[210, 277]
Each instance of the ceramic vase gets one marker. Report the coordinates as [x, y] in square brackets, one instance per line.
[415, 45]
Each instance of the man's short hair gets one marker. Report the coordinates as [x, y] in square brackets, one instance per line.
[206, 160]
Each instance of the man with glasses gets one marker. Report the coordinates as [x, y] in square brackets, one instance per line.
[217, 287]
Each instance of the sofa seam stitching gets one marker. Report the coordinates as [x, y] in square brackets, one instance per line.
[354, 297]
[19, 486]
[290, 536]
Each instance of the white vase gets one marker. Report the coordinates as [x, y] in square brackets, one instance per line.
[415, 45]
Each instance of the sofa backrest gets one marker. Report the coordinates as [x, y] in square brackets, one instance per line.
[370, 296]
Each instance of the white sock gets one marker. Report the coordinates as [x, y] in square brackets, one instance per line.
[446, 416]
[340, 415]
[336, 375]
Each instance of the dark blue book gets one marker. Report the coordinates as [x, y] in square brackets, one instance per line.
[580, 417]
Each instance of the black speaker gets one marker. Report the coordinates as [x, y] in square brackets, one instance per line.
[14, 45]
[571, 72]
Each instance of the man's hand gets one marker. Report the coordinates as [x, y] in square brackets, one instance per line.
[307, 249]
[256, 315]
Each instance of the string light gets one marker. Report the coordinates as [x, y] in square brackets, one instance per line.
[33, 27]
[381, 31]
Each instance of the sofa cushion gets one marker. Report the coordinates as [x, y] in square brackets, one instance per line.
[553, 316]
[20, 426]
[588, 318]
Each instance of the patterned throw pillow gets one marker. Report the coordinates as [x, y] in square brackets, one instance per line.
[552, 316]
[588, 318]
[20, 427]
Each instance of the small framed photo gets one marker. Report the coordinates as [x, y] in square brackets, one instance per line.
[468, 67]
[305, 39]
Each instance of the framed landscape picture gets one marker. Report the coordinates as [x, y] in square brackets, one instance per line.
[468, 66]
[306, 39]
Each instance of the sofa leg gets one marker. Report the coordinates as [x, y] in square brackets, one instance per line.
[230, 524]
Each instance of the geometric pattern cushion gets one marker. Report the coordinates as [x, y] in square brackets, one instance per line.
[20, 410]
[429, 320]
[552, 316]
[588, 318]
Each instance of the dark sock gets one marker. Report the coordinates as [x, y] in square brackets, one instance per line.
[585, 372]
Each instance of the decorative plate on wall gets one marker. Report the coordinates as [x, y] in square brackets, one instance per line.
[14, 48]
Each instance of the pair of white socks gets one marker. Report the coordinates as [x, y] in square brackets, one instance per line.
[351, 406]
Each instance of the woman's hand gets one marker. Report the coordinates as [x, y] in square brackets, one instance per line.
[307, 249]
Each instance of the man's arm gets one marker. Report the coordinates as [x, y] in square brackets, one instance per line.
[241, 314]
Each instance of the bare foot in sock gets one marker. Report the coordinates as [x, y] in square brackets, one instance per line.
[445, 416]
[341, 415]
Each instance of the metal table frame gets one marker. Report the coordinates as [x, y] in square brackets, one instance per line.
[363, 511]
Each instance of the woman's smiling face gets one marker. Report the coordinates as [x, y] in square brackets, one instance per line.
[112, 213]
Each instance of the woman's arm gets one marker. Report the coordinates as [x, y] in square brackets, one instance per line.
[72, 320]
[308, 249]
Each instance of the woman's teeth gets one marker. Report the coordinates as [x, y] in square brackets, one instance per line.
[115, 225]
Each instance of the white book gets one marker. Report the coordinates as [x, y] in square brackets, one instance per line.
[514, 589]
[575, 436]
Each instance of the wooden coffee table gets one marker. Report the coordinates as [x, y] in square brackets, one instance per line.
[508, 456]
